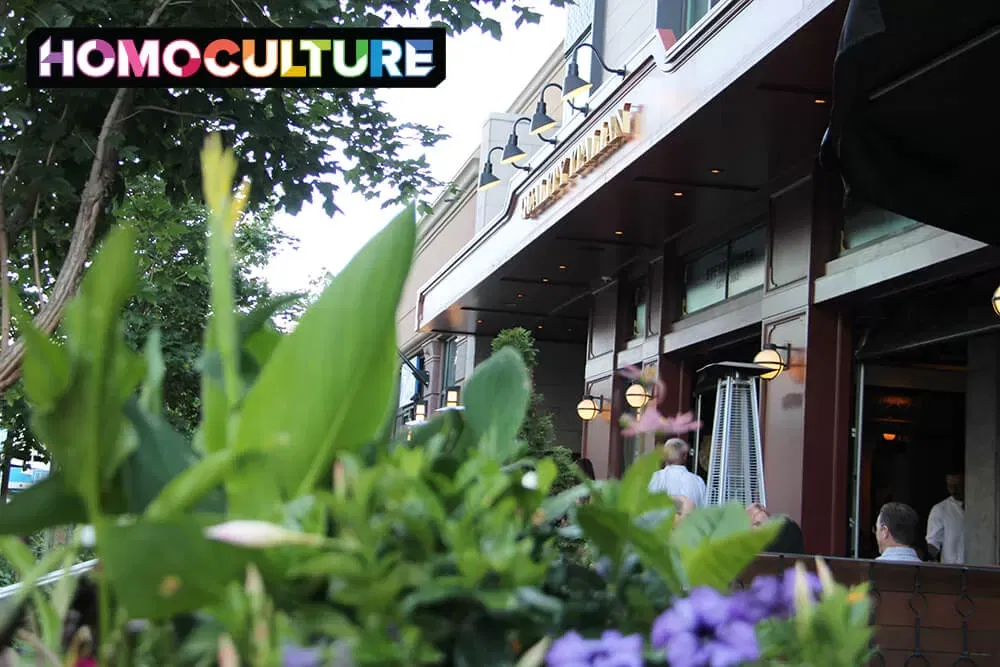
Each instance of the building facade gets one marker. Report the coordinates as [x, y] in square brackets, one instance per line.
[678, 216]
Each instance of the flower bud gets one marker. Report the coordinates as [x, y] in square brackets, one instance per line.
[258, 534]
[228, 657]
[825, 577]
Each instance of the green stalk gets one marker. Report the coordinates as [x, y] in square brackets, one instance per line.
[223, 307]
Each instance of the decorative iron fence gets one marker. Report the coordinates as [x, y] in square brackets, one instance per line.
[924, 615]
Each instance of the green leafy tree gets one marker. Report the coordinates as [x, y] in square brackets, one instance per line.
[66, 155]
[538, 430]
[174, 290]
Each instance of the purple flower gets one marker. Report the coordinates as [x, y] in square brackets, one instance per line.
[706, 628]
[297, 656]
[611, 650]
[774, 597]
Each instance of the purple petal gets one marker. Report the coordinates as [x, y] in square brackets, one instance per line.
[681, 618]
[296, 656]
[685, 651]
[569, 650]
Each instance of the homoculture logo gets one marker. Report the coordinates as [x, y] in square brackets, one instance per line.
[236, 58]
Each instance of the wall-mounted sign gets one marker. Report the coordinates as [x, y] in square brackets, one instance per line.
[593, 149]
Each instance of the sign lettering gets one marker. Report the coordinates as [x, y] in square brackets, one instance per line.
[589, 152]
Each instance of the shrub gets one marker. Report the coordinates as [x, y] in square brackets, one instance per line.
[538, 430]
[292, 530]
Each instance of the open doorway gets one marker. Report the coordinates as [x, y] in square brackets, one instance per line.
[911, 433]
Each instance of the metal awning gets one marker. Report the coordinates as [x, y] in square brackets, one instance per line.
[913, 126]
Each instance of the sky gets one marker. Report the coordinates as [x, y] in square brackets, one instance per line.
[484, 76]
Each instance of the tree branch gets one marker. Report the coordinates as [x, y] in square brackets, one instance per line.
[92, 198]
[183, 114]
[34, 219]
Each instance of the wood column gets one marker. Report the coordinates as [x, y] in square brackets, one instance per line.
[805, 411]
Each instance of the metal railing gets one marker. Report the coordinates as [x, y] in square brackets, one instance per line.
[10, 591]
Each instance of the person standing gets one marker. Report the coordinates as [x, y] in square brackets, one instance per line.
[896, 530]
[946, 524]
[674, 478]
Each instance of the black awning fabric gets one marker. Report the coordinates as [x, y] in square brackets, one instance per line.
[915, 123]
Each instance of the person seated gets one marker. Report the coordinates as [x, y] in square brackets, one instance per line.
[897, 530]
[789, 540]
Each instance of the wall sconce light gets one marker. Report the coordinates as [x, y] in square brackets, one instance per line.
[637, 396]
[996, 301]
[420, 412]
[451, 398]
[573, 85]
[590, 407]
[487, 179]
[770, 357]
[541, 121]
[512, 152]
[888, 437]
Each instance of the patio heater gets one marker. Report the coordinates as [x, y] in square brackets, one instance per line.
[736, 466]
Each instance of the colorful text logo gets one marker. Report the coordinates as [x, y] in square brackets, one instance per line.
[251, 58]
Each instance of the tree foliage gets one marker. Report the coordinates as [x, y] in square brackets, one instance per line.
[67, 154]
[173, 291]
[538, 430]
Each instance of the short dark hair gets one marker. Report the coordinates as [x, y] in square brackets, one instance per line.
[902, 522]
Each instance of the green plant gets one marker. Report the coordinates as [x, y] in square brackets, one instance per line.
[292, 530]
[538, 429]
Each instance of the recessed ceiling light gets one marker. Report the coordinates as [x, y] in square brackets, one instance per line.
[678, 194]
[539, 326]
[562, 267]
[520, 296]
[619, 233]
[479, 321]
[545, 280]
[716, 171]
[569, 330]
[819, 100]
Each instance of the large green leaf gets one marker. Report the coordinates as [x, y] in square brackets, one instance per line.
[47, 504]
[161, 569]
[635, 484]
[46, 367]
[496, 398]
[162, 455]
[83, 426]
[717, 543]
[326, 384]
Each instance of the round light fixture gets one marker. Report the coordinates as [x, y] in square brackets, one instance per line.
[637, 396]
[888, 437]
[587, 409]
[996, 301]
[770, 358]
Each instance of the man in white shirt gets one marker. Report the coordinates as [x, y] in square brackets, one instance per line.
[674, 478]
[946, 524]
[896, 530]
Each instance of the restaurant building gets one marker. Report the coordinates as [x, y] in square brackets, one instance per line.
[679, 216]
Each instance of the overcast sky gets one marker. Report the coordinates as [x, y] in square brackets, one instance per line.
[484, 76]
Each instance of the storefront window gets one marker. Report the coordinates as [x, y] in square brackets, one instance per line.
[864, 224]
[696, 9]
[639, 307]
[726, 271]
[448, 363]
[410, 387]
